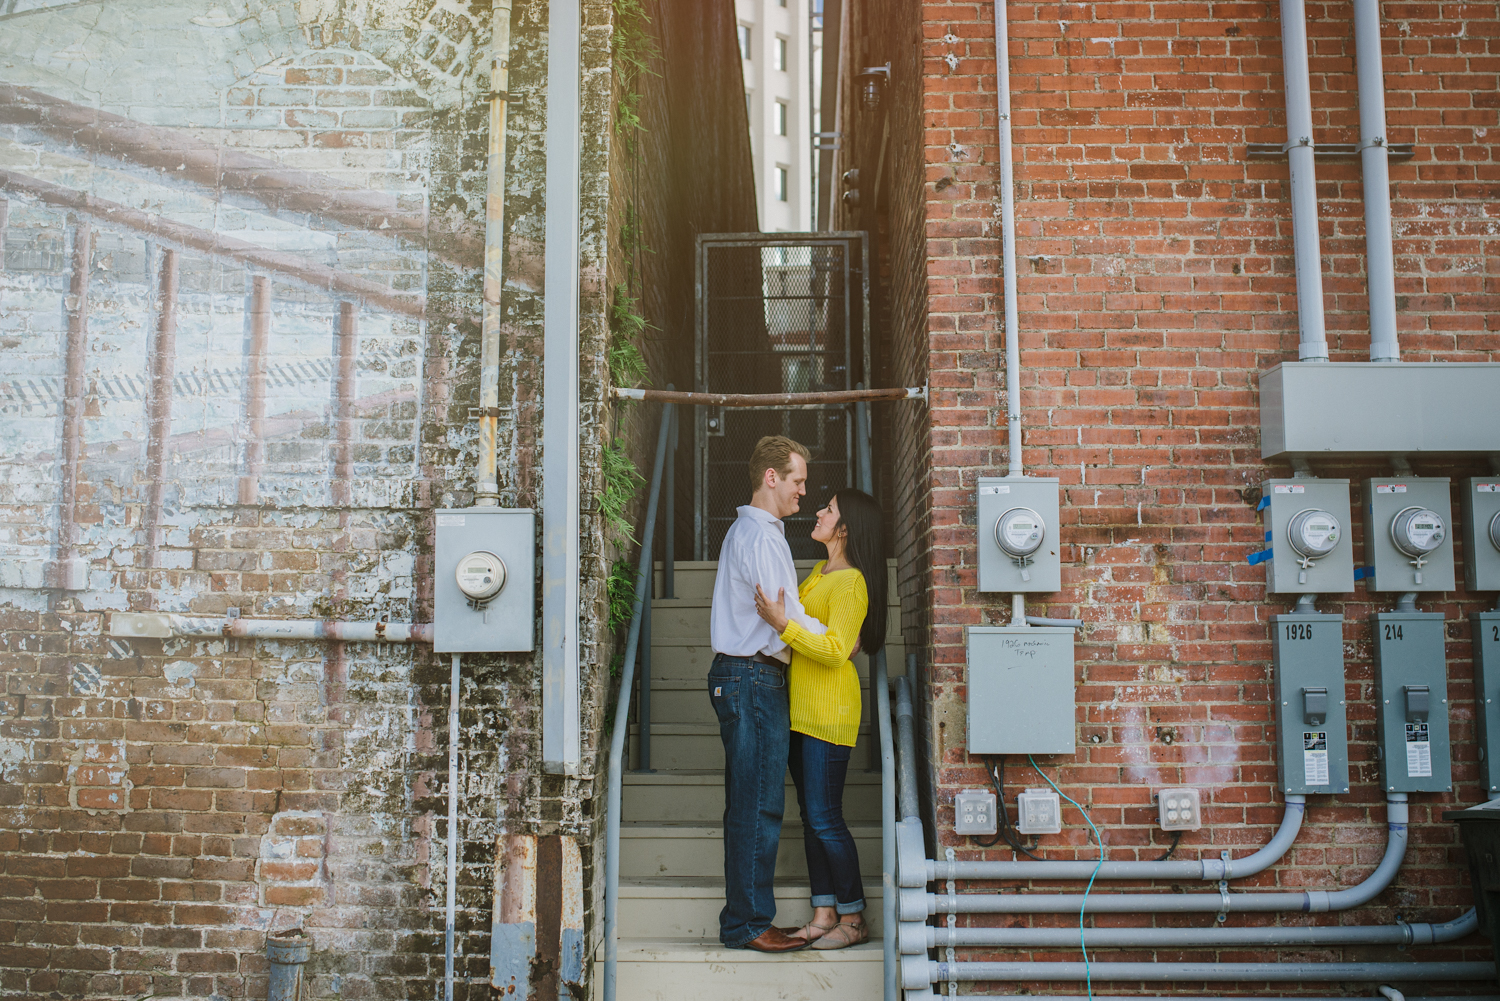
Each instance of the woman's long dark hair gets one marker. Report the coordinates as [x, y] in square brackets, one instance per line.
[864, 548]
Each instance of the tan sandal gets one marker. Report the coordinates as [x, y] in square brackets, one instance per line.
[847, 933]
[811, 932]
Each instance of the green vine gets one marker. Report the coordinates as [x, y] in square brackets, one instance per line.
[634, 51]
[627, 365]
[621, 481]
[620, 587]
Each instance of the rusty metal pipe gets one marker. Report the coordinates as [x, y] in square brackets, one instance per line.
[487, 487]
[159, 424]
[113, 213]
[162, 625]
[343, 469]
[779, 401]
[67, 571]
[255, 389]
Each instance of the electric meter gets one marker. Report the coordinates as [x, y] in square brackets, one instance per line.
[1313, 533]
[480, 576]
[1495, 530]
[1019, 532]
[1417, 531]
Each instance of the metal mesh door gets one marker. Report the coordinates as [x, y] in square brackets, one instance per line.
[776, 314]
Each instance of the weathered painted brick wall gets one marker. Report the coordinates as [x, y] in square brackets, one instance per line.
[1155, 282]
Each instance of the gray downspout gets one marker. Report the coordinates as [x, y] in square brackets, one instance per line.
[1374, 158]
[1313, 344]
[918, 905]
[1213, 972]
[561, 515]
[1206, 869]
[1008, 247]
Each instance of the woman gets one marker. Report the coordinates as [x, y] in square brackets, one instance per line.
[847, 592]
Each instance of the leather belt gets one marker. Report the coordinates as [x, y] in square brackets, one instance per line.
[761, 658]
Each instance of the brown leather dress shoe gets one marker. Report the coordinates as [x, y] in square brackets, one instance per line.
[775, 940]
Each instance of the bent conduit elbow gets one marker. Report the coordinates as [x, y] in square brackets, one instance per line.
[917, 906]
[1211, 870]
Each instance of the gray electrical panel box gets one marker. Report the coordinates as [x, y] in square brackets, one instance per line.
[1312, 743]
[1482, 533]
[1307, 532]
[1021, 691]
[1019, 543]
[1487, 693]
[1408, 534]
[484, 581]
[1411, 696]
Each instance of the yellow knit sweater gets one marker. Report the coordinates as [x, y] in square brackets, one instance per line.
[822, 684]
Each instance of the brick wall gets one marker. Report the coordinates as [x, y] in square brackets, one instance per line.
[1155, 282]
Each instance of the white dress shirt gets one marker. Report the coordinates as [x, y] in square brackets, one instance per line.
[755, 551]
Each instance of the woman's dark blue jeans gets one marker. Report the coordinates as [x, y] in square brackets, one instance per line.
[818, 769]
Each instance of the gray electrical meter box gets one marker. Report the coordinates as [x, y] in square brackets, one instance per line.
[1307, 531]
[484, 580]
[1312, 745]
[1411, 696]
[1408, 534]
[1020, 683]
[1487, 693]
[1482, 533]
[1019, 543]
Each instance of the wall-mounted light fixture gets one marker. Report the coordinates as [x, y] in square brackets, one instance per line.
[872, 81]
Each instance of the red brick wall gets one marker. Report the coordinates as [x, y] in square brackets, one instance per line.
[1155, 282]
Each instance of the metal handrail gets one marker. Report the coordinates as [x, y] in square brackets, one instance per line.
[643, 586]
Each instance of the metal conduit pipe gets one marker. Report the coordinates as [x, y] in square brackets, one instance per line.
[1207, 869]
[1207, 972]
[917, 995]
[917, 904]
[1008, 244]
[917, 939]
[165, 624]
[906, 743]
[1308, 258]
[487, 487]
[1374, 158]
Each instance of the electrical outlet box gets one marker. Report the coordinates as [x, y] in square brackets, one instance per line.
[1039, 812]
[1021, 690]
[1312, 734]
[1019, 542]
[478, 548]
[1408, 534]
[1486, 693]
[1179, 809]
[974, 812]
[1411, 695]
[1307, 531]
[1481, 508]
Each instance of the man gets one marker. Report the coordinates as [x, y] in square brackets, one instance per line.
[747, 685]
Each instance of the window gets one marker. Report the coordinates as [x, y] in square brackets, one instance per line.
[744, 41]
[781, 184]
[780, 119]
[781, 54]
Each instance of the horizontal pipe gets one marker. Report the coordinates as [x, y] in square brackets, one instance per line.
[165, 624]
[1206, 869]
[1211, 972]
[782, 400]
[281, 262]
[1042, 620]
[916, 905]
[920, 938]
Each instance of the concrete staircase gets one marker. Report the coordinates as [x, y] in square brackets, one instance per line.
[671, 838]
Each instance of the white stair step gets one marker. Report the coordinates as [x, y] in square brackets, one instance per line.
[698, 796]
[698, 745]
[693, 580]
[689, 908]
[650, 850]
[703, 970]
[679, 700]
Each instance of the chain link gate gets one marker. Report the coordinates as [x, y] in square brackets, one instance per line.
[776, 313]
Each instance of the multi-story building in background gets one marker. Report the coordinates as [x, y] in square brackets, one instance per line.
[780, 55]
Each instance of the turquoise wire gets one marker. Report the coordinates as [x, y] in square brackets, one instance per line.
[1088, 976]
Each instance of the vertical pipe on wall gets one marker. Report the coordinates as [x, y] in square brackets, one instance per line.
[67, 570]
[1008, 241]
[561, 746]
[452, 888]
[343, 473]
[1313, 345]
[159, 425]
[255, 389]
[487, 489]
[1374, 158]
[4, 225]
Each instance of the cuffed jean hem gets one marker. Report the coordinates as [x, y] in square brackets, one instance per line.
[824, 900]
[854, 908]
[829, 900]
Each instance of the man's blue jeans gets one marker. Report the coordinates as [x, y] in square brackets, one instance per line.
[750, 700]
[819, 769]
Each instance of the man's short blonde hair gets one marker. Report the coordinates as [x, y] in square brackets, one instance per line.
[774, 451]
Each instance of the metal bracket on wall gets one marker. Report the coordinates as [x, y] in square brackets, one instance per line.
[1397, 151]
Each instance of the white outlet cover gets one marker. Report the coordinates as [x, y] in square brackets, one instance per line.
[1040, 812]
[1179, 809]
[974, 812]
